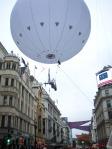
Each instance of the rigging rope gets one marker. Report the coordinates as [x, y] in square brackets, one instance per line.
[72, 81]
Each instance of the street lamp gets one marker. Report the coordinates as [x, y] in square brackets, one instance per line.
[83, 144]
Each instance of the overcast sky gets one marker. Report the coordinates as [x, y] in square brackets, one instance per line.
[76, 79]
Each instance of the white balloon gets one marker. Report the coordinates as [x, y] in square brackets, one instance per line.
[49, 31]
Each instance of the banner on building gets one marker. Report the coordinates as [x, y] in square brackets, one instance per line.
[104, 77]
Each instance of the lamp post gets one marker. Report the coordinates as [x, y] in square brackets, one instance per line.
[83, 144]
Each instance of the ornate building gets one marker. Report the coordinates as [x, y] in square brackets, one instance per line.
[26, 109]
[93, 127]
[52, 119]
[103, 106]
[49, 120]
[3, 51]
[103, 112]
[17, 100]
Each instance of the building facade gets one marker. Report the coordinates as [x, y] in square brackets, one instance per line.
[103, 112]
[52, 119]
[103, 104]
[27, 112]
[17, 100]
[51, 128]
[67, 132]
[93, 128]
[40, 128]
[3, 51]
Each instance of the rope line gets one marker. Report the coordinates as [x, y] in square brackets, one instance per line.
[71, 80]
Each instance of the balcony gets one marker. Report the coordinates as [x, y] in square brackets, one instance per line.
[9, 89]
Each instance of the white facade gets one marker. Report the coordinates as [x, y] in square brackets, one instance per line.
[3, 51]
[67, 132]
[16, 100]
[103, 112]
[93, 129]
[52, 119]
[19, 101]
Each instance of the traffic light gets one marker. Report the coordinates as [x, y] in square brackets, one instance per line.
[8, 139]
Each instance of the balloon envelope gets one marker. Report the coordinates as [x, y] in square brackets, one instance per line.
[50, 31]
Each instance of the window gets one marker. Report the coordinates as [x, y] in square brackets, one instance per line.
[25, 126]
[3, 121]
[21, 106]
[107, 92]
[43, 125]
[10, 100]
[13, 66]
[58, 131]
[16, 122]
[28, 111]
[20, 88]
[12, 82]
[28, 127]
[8, 66]
[54, 131]
[6, 81]
[9, 121]
[39, 123]
[0, 79]
[110, 114]
[0, 65]
[32, 114]
[5, 100]
[108, 103]
[22, 91]
[20, 124]
[50, 108]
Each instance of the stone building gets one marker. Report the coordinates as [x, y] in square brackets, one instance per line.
[103, 106]
[51, 128]
[52, 119]
[103, 112]
[17, 101]
[3, 51]
[26, 109]
[93, 128]
[37, 89]
[67, 132]
[49, 120]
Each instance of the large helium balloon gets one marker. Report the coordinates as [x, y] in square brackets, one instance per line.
[50, 31]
